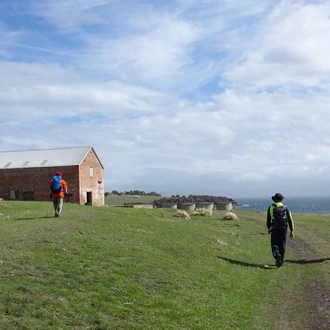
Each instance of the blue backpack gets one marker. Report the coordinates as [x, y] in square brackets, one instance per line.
[56, 184]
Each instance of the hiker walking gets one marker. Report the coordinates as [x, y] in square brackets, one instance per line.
[279, 218]
[58, 190]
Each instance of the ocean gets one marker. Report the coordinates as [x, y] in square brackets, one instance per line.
[315, 205]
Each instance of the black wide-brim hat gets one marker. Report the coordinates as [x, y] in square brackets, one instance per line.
[277, 197]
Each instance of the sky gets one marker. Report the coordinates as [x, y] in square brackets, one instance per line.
[215, 97]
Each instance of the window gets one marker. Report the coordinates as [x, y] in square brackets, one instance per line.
[28, 195]
[14, 194]
[91, 171]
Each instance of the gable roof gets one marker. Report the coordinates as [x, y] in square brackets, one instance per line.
[43, 157]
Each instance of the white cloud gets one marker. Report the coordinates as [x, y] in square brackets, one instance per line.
[183, 97]
[290, 49]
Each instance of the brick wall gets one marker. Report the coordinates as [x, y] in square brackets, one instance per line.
[85, 185]
[91, 180]
[35, 181]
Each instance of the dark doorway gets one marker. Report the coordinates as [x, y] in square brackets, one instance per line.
[89, 198]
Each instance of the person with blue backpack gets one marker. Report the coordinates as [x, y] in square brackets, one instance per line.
[58, 190]
[279, 218]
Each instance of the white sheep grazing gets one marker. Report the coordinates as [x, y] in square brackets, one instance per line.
[230, 216]
[182, 214]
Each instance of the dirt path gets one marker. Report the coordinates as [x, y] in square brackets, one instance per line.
[316, 295]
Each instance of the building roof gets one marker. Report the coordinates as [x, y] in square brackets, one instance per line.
[43, 157]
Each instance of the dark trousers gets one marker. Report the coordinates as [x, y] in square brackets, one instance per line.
[278, 242]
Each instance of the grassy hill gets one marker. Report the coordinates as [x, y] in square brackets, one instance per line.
[122, 268]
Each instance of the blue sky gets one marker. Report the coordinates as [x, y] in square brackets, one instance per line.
[226, 98]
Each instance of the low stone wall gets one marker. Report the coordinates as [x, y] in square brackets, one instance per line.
[143, 206]
[139, 206]
[170, 205]
[224, 206]
[188, 206]
[205, 206]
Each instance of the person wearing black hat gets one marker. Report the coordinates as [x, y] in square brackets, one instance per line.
[279, 218]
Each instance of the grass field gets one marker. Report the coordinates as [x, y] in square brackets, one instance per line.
[121, 268]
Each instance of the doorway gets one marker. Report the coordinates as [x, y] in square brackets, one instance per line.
[89, 198]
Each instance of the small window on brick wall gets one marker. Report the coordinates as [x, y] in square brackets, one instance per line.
[91, 171]
[14, 194]
[28, 195]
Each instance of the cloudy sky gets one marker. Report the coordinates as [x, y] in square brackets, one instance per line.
[219, 97]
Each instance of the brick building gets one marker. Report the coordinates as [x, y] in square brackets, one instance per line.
[25, 175]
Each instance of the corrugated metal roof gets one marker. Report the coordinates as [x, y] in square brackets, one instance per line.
[43, 158]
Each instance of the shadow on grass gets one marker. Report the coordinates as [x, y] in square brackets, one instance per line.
[246, 264]
[304, 261]
[34, 218]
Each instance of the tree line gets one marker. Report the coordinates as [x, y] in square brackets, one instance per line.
[132, 192]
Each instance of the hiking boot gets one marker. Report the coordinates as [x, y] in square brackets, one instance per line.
[278, 260]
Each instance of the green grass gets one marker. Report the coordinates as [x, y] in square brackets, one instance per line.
[122, 268]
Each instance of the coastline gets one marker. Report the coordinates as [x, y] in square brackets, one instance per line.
[312, 205]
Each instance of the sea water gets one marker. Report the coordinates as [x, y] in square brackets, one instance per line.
[316, 205]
